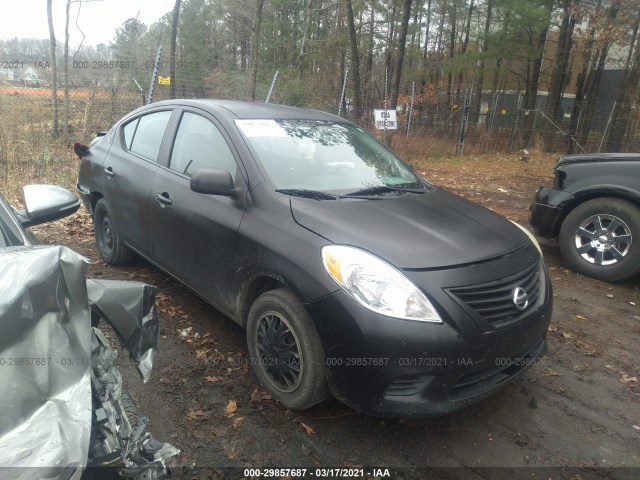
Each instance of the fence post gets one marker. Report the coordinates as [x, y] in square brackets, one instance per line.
[613, 109]
[386, 86]
[154, 76]
[515, 124]
[344, 91]
[535, 123]
[273, 83]
[492, 118]
[464, 122]
[413, 96]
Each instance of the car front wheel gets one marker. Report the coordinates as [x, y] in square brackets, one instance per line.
[110, 245]
[285, 350]
[601, 239]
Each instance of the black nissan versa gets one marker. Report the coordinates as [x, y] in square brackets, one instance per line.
[351, 274]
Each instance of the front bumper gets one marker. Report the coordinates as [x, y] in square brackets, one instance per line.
[397, 368]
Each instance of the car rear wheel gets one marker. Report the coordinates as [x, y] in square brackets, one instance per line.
[601, 239]
[108, 240]
[285, 350]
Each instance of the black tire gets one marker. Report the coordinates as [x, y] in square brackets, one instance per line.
[285, 350]
[110, 245]
[600, 238]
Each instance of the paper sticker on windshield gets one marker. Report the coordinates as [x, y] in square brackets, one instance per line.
[260, 128]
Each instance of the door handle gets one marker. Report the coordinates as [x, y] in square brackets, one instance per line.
[164, 199]
[109, 171]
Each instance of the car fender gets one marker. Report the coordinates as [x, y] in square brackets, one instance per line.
[589, 192]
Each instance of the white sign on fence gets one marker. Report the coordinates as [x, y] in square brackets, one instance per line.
[386, 119]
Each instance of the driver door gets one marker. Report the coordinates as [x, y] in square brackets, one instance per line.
[193, 235]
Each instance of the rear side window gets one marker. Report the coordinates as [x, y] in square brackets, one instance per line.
[199, 144]
[144, 135]
[129, 129]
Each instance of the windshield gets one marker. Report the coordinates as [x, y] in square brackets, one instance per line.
[324, 156]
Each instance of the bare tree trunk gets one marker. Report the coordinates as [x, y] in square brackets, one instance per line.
[255, 45]
[561, 64]
[65, 120]
[479, 80]
[465, 44]
[54, 71]
[452, 51]
[534, 67]
[172, 54]
[593, 83]
[305, 34]
[402, 41]
[355, 62]
[627, 98]
[426, 35]
[368, 69]
[392, 24]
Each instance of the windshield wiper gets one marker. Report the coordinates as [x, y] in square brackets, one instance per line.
[382, 189]
[313, 194]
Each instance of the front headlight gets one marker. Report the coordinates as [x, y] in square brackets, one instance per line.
[377, 285]
[530, 235]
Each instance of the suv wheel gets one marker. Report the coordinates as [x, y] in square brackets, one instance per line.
[601, 239]
[285, 350]
[108, 240]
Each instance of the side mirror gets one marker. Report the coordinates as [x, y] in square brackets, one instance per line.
[46, 203]
[212, 182]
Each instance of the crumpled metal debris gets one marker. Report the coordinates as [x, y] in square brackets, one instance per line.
[62, 405]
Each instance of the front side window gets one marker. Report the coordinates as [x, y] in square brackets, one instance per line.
[324, 156]
[199, 144]
[143, 135]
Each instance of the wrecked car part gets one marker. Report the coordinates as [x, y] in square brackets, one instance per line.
[63, 406]
[130, 308]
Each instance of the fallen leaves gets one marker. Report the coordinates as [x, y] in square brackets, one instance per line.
[212, 379]
[259, 396]
[197, 415]
[202, 353]
[231, 408]
[237, 422]
[308, 428]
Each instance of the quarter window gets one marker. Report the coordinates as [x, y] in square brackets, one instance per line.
[144, 135]
[199, 144]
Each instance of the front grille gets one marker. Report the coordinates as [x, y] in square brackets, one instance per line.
[493, 301]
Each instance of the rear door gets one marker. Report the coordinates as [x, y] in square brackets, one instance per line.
[193, 235]
[128, 173]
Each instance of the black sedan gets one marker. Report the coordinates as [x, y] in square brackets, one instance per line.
[593, 208]
[351, 274]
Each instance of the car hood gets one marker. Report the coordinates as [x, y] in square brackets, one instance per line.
[430, 230]
[597, 157]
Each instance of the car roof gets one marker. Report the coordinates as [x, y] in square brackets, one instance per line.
[254, 110]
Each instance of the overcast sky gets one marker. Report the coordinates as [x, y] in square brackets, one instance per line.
[98, 19]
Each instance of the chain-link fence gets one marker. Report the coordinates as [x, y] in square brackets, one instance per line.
[92, 95]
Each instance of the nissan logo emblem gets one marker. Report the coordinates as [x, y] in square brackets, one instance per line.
[520, 298]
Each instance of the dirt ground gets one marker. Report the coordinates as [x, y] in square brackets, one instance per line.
[574, 415]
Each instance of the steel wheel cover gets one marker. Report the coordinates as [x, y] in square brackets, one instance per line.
[278, 352]
[106, 234]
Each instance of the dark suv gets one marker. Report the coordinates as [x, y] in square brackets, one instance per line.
[593, 209]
